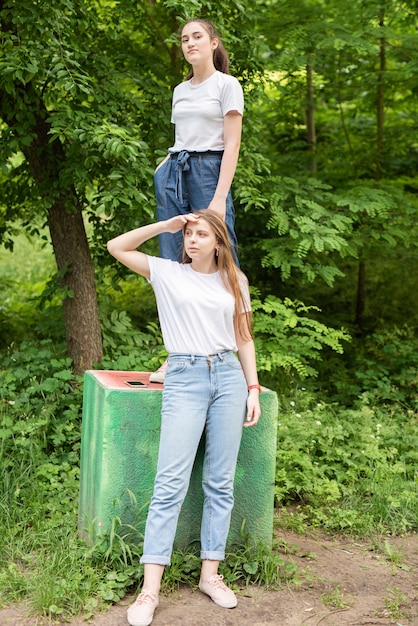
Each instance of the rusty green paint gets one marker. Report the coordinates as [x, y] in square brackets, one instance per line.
[119, 449]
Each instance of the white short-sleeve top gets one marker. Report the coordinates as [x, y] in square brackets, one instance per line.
[198, 112]
[196, 311]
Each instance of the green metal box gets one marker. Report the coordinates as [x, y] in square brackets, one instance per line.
[119, 450]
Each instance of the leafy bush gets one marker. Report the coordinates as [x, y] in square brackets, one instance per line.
[21, 285]
[289, 342]
[134, 295]
[381, 368]
[40, 400]
[129, 349]
[362, 459]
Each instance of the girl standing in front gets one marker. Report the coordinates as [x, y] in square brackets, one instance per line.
[207, 112]
[204, 310]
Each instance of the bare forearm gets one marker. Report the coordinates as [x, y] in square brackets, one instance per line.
[247, 358]
[232, 142]
[134, 238]
[124, 247]
[246, 355]
[227, 172]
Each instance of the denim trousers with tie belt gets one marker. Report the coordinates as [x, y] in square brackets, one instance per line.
[201, 394]
[186, 182]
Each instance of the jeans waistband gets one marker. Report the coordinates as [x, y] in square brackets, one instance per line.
[201, 357]
[183, 166]
[196, 153]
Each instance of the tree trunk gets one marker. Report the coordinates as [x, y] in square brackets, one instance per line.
[72, 254]
[76, 271]
[310, 117]
[47, 161]
[380, 112]
[380, 116]
[361, 294]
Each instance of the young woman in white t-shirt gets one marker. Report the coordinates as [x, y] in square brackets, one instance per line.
[207, 112]
[205, 316]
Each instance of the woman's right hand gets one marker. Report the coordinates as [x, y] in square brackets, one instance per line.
[161, 164]
[176, 223]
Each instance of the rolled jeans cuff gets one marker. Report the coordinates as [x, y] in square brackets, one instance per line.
[212, 556]
[154, 560]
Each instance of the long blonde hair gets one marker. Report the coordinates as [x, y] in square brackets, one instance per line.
[233, 278]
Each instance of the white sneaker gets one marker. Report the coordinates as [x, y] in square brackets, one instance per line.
[141, 612]
[159, 375]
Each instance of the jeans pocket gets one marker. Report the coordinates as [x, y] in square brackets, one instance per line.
[232, 361]
[176, 367]
[213, 165]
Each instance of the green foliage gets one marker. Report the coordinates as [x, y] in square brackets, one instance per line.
[40, 404]
[315, 227]
[130, 349]
[258, 564]
[342, 46]
[40, 414]
[35, 383]
[396, 604]
[356, 458]
[381, 369]
[21, 286]
[308, 230]
[342, 183]
[247, 563]
[289, 341]
[132, 294]
[336, 599]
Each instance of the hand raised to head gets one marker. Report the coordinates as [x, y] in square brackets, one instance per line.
[176, 223]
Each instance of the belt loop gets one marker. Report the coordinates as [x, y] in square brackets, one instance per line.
[192, 359]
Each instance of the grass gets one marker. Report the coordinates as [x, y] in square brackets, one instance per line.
[335, 599]
[16, 269]
[23, 277]
[395, 603]
[351, 470]
[42, 560]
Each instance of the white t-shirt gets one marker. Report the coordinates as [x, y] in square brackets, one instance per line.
[198, 112]
[196, 311]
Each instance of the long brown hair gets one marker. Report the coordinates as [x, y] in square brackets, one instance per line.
[220, 55]
[233, 278]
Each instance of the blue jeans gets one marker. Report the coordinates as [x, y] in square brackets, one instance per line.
[186, 182]
[201, 393]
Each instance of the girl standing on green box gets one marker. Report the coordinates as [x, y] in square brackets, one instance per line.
[205, 316]
[207, 111]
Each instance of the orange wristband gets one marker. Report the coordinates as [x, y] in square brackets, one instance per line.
[254, 387]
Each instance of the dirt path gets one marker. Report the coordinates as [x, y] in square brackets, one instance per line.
[344, 584]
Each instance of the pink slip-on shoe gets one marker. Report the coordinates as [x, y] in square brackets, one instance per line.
[215, 588]
[141, 612]
[159, 375]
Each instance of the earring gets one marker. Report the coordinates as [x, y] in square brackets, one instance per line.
[216, 251]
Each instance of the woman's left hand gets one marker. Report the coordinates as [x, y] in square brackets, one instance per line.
[219, 206]
[253, 409]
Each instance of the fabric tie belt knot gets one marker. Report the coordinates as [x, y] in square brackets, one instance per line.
[182, 166]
